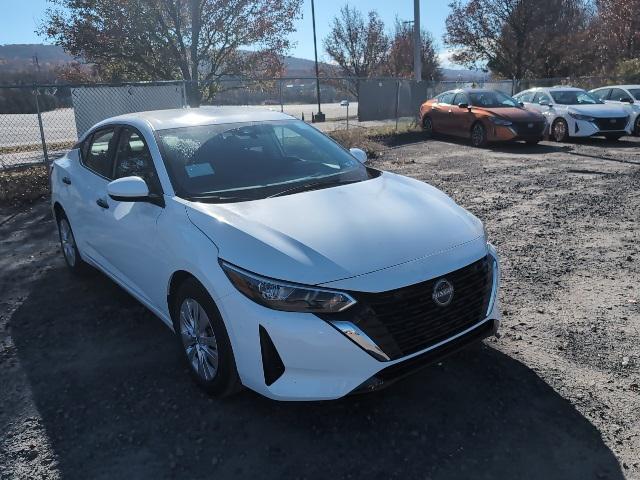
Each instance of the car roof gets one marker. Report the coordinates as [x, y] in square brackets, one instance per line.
[469, 90]
[626, 87]
[186, 117]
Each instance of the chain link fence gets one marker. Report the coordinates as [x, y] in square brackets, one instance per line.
[39, 123]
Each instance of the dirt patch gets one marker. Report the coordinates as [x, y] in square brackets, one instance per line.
[22, 186]
[93, 386]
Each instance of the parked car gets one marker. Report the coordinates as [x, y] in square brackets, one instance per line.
[280, 260]
[627, 96]
[573, 112]
[483, 116]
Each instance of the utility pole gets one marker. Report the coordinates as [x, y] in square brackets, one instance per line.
[417, 42]
[318, 117]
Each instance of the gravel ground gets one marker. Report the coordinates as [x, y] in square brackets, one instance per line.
[92, 385]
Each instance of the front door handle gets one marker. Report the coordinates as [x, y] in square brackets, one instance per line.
[101, 202]
[66, 180]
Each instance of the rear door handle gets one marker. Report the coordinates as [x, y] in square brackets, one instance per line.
[66, 180]
[102, 203]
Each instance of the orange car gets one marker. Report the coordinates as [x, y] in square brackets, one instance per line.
[484, 116]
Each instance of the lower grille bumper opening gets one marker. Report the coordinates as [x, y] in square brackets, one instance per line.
[271, 362]
[393, 373]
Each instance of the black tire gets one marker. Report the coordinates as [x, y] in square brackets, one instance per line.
[636, 130]
[533, 142]
[479, 135]
[427, 126]
[68, 246]
[559, 130]
[613, 137]
[225, 380]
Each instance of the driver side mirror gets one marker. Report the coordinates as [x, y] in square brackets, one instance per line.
[128, 189]
[463, 105]
[545, 103]
[626, 100]
[360, 154]
[521, 104]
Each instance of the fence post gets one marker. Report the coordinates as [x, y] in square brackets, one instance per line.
[281, 102]
[397, 101]
[44, 143]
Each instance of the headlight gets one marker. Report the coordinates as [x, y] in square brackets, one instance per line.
[499, 121]
[286, 296]
[579, 116]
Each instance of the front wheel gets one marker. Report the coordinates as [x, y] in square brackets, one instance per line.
[533, 142]
[613, 137]
[479, 135]
[69, 247]
[636, 130]
[427, 127]
[204, 340]
[560, 130]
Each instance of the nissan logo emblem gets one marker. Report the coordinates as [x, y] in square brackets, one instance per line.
[442, 292]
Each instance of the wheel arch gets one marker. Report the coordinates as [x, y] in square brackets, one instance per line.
[58, 211]
[176, 279]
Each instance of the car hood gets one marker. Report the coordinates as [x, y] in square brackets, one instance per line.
[336, 233]
[515, 114]
[599, 110]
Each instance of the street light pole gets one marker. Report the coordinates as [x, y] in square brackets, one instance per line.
[417, 42]
[319, 117]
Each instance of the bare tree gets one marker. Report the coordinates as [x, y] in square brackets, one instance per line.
[195, 40]
[399, 61]
[616, 28]
[359, 48]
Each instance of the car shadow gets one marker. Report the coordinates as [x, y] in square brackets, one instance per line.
[110, 386]
[516, 147]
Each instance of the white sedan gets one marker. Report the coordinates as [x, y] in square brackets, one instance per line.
[573, 112]
[280, 260]
[626, 96]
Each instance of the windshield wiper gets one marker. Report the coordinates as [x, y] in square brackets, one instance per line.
[311, 186]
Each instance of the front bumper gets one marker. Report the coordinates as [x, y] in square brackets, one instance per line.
[583, 128]
[519, 131]
[320, 362]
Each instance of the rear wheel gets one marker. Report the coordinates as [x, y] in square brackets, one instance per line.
[613, 137]
[427, 127]
[69, 247]
[636, 130]
[478, 135]
[560, 130]
[533, 142]
[203, 338]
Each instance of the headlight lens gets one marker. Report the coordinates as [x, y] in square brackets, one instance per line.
[286, 296]
[579, 116]
[500, 121]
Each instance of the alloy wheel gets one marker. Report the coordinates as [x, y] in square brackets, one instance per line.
[67, 242]
[559, 130]
[198, 339]
[477, 135]
[427, 126]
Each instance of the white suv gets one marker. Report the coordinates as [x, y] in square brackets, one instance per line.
[573, 112]
[627, 96]
[280, 260]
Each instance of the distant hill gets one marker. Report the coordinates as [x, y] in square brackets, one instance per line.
[16, 57]
[22, 57]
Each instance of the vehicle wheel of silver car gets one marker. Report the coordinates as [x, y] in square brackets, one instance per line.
[198, 339]
[560, 130]
[478, 135]
[636, 130]
[427, 127]
[204, 340]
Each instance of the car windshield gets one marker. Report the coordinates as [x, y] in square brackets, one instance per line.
[492, 100]
[574, 97]
[635, 92]
[248, 161]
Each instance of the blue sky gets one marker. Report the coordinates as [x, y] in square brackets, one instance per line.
[17, 23]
